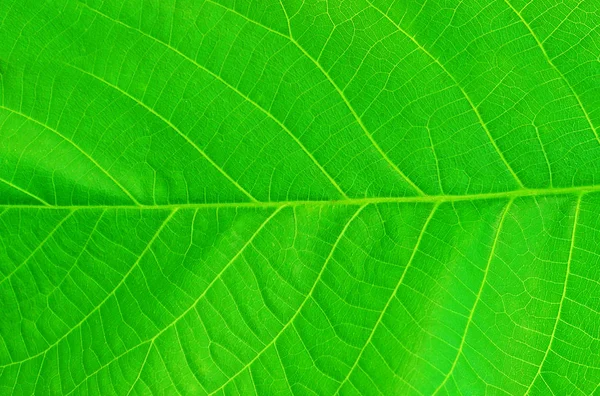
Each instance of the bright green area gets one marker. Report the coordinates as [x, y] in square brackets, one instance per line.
[300, 197]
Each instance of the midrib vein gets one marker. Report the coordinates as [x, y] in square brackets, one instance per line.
[351, 201]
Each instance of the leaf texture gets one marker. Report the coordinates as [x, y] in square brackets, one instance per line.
[299, 197]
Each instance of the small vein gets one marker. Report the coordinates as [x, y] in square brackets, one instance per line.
[125, 276]
[478, 297]
[39, 246]
[238, 92]
[467, 97]
[77, 386]
[38, 376]
[390, 299]
[539, 139]
[566, 18]
[287, 17]
[172, 126]
[562, 297]
[297, 313]
[562, 76]
[437, 161]
[340, 93]
[24, 191]
[359, 120]
[282, 366]
[135, 201]
[225, 268]
[141, 368]
[207, 288]
[83, 249]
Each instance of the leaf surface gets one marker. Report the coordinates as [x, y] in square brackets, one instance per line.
[299, 197]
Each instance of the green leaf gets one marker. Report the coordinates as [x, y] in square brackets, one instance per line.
[299, 197]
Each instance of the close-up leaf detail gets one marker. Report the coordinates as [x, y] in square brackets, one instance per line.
[307, 197]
